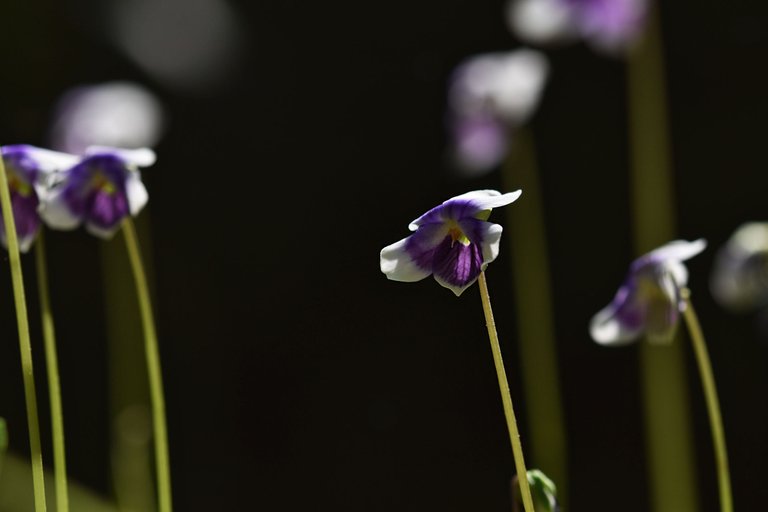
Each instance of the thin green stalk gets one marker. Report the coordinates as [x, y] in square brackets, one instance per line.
[153, 368]
[713, 404]
[25, 346]
[506, 397]
[54, 388]
[535, 319]
[671, 470]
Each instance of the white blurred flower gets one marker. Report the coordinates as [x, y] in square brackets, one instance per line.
[740, 277]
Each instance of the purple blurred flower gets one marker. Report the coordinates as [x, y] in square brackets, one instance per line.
[453, 241]
[28, 168]
[740, 278]
[101, 190]
[489, 95]
[608, 25]
[649, 300]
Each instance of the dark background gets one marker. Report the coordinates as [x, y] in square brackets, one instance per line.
[299, 378]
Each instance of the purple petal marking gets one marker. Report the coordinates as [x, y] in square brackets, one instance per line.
[629, 311]
[25, 218]
[421, 245]
[22, 171]
[95, 190]
[457, 264]
[612, 22]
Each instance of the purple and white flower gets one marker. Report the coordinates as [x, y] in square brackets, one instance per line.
[489, 95]
[649, 301]
[28, 168]
[608, 25]
[100, 190]
[453, 241]
[740, 277]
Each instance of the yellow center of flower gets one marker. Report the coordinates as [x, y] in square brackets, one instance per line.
[456, 234]
[18, 185]
[102, 183]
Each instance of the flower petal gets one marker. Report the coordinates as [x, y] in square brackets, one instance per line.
[465, 205]
[136, 192]
[142, 157]
[620, 322]
[457, 266]
[679, 250]
[396, 263]
[102, 232]
[44, 159]
[486, 235]
[55, 211]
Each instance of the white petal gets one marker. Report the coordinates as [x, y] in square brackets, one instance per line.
[55, 213]
[51, 161]
[679, 250]
[398, 265]
[491, 242]
[606, 329]
[541, 21]
[142, 157]
[136, 192]
[100, 232]
[679, 273]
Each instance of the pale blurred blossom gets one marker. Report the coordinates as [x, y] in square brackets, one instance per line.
[740, 278]
[610, 26]
[490, 95]
[116, 114]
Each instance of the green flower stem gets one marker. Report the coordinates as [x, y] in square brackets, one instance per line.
[671, 468]
[506, 398]
[713, 404]
[153, 368]
[24, 344]
[54, 389]
[533, 300]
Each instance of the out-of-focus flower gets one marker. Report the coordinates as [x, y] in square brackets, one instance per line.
[100, 191]
[608, 25]
[489, 95]
[114, 114]
[740, 278]
[28, 168]
[649, 301]
[453, 241]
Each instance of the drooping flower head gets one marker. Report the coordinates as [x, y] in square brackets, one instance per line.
[543, 492]
[453, 241]
[28, 168]
[649, 301]
[740, 278]
[608, 25]
[100, 190]
[489, 95]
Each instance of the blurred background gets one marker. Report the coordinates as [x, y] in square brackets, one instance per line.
[300, 138]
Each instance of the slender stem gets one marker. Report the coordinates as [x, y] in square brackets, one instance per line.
[713, 404]
[671, 466]
[24, 343]
[54, 388]
[153, 368]
[547, 443]
[506, 398]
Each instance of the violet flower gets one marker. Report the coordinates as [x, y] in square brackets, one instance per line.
[649, 301]
[28, 168]
[490, 95]
[101, 190]
[453, 241]
[740, 278]
[608, 25]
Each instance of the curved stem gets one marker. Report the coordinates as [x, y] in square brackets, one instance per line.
[506, 398]
[54, 388]
[153, 368]
[713, 404]
[25, 346]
